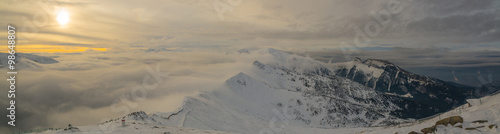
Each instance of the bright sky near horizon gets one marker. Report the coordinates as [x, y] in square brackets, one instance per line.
[75, 26]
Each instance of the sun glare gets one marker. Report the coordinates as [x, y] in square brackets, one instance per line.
[63, 17]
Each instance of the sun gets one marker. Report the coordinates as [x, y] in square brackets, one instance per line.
[63, 17]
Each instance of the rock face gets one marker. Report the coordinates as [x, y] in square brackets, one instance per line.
[139, 115]
[428, 130]
[453, 120]
[386, 77]
[446, 121]
[450, 120]
[71, 128]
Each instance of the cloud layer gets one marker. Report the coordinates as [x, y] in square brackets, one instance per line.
[192, 42]
[86, 88]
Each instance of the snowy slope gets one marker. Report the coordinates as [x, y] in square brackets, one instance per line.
[474, 117]
[489, 111]
[132, 127]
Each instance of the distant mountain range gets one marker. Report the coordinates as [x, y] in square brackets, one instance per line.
[24, 60]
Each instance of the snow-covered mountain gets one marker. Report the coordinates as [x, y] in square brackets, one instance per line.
[301, 91]
[273, 92]
[386, 77]
[24, 60]
[287, 93]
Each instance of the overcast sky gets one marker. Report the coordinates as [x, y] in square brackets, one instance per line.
[103, 42]
[288, 24]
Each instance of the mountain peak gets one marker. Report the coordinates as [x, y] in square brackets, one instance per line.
[259, 64]
[378, 63]
[356, 59]
[240, 80]
[139, 115]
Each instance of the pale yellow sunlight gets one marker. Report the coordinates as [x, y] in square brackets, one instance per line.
[63, 17]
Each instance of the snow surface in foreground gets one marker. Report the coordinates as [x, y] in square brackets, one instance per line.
[135, 129]
[489, 110]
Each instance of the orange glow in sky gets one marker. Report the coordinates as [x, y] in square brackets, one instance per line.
[52, 49]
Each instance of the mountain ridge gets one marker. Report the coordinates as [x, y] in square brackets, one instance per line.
[387, 77]
[288, 93]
